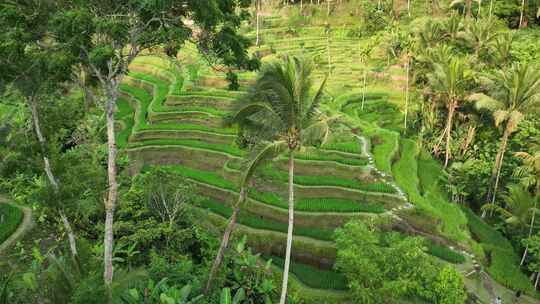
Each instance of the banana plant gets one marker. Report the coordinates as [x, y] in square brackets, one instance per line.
[162, 293]
[226, 297]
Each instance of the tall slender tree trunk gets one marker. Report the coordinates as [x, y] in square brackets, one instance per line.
[49, 173]
[328, 50]
[289, 230]
[364, 89]
[110, 203]
[536, 281]
[496, 172]
[521, 14]
[479, 9]
[258, 12]
[409, 7]
[490, 9]
[469, 8]
[407, 94]
[225, 240]
[71, 235]
[451, 110]
[530, 234]
[327, 7]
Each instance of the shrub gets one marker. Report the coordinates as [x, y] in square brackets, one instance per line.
[392, 267]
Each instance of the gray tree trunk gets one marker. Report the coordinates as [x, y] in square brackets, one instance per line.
[50, 175]
[110, 203]
[258, 12]
[289, 230]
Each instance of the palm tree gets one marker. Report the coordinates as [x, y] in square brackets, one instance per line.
[364, 52]
[258, 5]
[281, 110]
[532, 166]
[449, 81]
[480, 35]
[259, 155]
[503, 49]
[530, 172]
[512, 93]
[452, 25]
[520, 205]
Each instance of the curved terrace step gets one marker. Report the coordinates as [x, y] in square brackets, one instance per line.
[308, 250]
[25, 226]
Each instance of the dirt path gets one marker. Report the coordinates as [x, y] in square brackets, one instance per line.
[25, 226]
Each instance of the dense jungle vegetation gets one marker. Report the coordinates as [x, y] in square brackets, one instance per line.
[269, 151]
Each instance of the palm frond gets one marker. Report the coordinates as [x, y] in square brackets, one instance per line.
[483, 101]
[514, 118]
[249, 109]
[315, 104]
[263, 151]
[500, 116]
[319, 131]
[494, 207]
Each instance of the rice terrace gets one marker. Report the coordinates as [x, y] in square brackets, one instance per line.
[269, 151]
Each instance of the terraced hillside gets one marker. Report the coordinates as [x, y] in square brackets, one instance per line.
[170, 115]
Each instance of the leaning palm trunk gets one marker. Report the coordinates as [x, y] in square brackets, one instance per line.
[110, 204]
[451, 110]
[496, 173]
[530, 230]
[225, 240]
[50, 175]
[258, 8]
[289, 230]
[407, 94]
[364, 89]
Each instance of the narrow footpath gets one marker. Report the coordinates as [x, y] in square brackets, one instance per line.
[25, 226]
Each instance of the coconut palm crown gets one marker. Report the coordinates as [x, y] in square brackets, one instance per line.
[281, 112]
